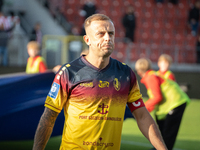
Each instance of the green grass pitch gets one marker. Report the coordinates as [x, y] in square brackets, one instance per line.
[188, 136]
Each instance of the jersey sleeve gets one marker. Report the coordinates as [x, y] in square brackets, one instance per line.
[135, 105]
[134, 93]
[57, 95]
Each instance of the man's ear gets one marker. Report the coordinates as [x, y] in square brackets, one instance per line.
[86, 39]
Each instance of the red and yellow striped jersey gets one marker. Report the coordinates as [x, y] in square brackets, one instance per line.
[94, 102]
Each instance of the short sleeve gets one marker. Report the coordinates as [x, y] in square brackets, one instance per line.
[57, 95]
[134, 93]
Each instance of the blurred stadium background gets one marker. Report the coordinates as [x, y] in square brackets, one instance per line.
[160, 28]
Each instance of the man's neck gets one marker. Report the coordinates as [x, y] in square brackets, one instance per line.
[98, 62]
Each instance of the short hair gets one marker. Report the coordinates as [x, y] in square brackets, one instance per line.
[33, 45]
[165, 57]
[96, 17]
[143, 64]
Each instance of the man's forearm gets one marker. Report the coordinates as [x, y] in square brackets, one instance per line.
[42, 136]
[44, 129]
[149, 128]
[155, 137]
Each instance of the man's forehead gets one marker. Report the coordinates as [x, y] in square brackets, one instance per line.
[102, 24]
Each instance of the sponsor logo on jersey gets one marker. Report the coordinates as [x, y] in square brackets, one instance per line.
[90, 84]
[98, 143]
[103, 110]
[117, 84]
[54, 90]
[103, 84]
[100, 118]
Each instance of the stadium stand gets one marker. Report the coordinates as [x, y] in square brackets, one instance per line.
[160, 27]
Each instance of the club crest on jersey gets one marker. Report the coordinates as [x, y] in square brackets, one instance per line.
[117, 84]
[103, 84]
[54, 90]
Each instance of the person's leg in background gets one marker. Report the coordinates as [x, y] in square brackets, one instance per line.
[170, 126]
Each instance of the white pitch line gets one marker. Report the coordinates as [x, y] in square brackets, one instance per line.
[142, 144]
[137, 143]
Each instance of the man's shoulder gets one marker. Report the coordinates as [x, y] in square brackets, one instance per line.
[120, 65]
[75, 64]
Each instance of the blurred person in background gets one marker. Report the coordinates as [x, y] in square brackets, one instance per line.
[174, 1]
[7, 24]
[3, 40]
[198, 50]
[164, 63]
[165, 98]
[89, 8]
[159, 1]
[56, 68]
[129, 23]
[1, 4]
[35, 63]
[193, 18]
[36, 34]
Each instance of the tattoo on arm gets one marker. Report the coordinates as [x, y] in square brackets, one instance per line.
[44, 129]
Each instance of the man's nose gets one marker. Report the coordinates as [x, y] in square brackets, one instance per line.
[107, 36]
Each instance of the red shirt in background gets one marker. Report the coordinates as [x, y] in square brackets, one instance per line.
[170, 76]
[152, 83]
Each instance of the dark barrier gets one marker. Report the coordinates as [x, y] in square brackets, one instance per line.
[22, 104]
